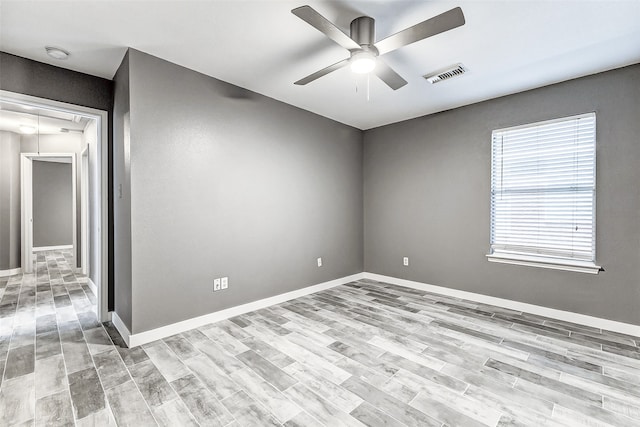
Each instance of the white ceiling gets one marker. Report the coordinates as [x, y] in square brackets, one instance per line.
[508, 46]
[44, 122]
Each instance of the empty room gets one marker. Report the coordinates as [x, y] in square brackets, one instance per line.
[320, 213]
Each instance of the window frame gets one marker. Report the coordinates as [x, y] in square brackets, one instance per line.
[540, 261]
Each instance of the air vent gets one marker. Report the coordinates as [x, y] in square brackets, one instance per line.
[446, 73]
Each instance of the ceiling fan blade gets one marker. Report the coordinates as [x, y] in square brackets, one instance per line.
[387, 75]
[323, 72]
[438, 24]
[322, 24]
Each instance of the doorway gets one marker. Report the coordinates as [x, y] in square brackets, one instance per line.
[89, 223]
[48, 206]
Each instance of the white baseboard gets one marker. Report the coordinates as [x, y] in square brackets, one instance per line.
[51, 248]
[11, 272]
[120, 326]
[141, 338]
[567, 316]
[92, 286]
[134, 340]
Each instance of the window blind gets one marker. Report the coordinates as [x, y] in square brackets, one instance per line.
[543, 190]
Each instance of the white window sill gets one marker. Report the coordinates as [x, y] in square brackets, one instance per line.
[580, 267]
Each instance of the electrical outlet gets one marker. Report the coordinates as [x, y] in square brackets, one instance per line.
[319, 262]
[405, 261]
[216, 284]
[224, 283]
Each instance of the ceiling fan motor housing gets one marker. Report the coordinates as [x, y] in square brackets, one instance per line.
[363, 32]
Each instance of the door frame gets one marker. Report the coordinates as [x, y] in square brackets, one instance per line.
[84, 211]
[26, 206]
[102, 125]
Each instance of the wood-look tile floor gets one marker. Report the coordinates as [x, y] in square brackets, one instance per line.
[365, 353]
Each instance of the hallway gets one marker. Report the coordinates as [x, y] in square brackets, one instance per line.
[42, 317]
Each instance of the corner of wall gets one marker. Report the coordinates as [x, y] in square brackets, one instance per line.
[121, 197]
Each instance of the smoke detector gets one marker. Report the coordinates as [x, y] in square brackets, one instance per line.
[446, 73]
[57, 52]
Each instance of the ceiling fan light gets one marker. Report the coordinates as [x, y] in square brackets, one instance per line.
[27, 130]
[363, 63]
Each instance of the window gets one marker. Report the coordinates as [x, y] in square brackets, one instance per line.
[543, 194]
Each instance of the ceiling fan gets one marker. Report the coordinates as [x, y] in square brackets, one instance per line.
[364, 53]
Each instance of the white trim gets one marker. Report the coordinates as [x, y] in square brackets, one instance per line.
[92, 286]
[120, 326]
[567, 316]
[51, 248]
[548, 122]
[102, 126]
[554, 264]
[10, 272]
[26, 222]
[134, 340]
[141, 338]
[84, 211]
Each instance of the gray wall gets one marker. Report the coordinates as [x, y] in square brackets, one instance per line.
[52, 204]
[426, 196]
[226, 182]
[22, 75]
[122, 198]
[9, 200]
